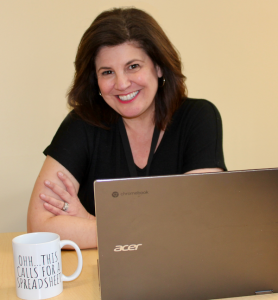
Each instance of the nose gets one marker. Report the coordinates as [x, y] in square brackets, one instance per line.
[122, 82]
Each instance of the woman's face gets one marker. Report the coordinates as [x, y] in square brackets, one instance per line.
[128, 80]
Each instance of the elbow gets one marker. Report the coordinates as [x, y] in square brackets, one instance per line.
[31, 226]
[36, 227]
[36, 223]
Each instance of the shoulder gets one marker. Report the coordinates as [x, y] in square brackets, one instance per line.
[74, 126]
[76, 133]
[196, 105]
[73, 119]
[196, 109]
[72, 145]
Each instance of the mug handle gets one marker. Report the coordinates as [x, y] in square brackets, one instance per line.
[80, 260]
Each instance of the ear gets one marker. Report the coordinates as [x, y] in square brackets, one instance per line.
[158, 71]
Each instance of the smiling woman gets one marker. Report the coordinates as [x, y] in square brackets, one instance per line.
[129, 84]
[130, 117]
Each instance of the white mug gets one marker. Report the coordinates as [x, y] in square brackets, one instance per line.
[38, 265]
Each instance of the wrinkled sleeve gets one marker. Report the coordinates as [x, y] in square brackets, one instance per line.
[205, 144]
[70, 146]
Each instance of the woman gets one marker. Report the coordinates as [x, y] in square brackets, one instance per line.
[130, 117]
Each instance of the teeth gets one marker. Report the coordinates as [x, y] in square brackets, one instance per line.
[129, 96]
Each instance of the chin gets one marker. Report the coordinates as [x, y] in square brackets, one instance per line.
[126, 116]
[130, 114]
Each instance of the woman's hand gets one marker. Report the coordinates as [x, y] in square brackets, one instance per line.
[76, 224]
[70, 204]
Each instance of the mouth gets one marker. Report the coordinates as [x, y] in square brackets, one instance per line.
[128, 97]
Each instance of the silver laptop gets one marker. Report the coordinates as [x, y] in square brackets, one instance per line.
[195, 237]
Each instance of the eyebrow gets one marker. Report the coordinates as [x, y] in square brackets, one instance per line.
[128, 63]
[133, 60]
[103, 68]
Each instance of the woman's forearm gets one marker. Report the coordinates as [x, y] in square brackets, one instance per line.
[81, 231]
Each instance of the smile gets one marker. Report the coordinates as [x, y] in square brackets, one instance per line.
[128, 97]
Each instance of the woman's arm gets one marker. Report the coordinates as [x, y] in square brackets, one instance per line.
[78, 228]
[207, 170]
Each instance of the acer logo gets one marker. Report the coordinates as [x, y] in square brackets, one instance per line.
[132, 247]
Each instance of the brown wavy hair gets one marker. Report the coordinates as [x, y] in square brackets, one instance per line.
[114, 27]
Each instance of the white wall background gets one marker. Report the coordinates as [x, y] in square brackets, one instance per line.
[229, 49]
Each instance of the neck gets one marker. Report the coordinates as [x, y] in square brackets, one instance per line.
[139, 124]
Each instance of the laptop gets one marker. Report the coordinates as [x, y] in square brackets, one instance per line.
[195, 237]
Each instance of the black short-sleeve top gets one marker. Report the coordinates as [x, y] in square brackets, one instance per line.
[193, 140]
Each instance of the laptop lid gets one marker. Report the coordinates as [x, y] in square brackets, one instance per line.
[198, 236]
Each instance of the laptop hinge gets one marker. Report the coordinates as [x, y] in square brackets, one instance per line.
[264, 292]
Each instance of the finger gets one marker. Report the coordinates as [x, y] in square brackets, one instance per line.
[56, 211]
[68, 183]
[52, 201]
[61, 192]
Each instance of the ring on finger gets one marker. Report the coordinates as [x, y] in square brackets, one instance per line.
[65, 207]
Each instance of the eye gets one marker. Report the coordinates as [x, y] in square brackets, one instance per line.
[107, 72]
[134, 66]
